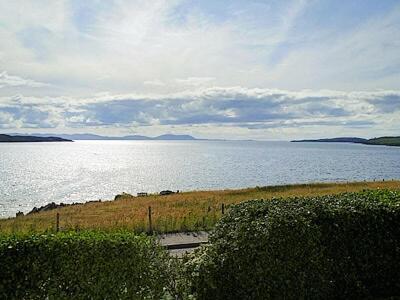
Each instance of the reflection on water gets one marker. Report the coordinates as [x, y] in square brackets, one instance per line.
[34, 174]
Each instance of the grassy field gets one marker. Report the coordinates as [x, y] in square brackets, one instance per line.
[187, 211]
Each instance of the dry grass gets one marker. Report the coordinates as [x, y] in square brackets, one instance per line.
[178, 212]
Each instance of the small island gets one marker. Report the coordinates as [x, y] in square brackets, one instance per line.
[384, 141]
[5, 138]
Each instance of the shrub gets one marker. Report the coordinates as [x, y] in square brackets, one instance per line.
[90, 265]
[331, 247]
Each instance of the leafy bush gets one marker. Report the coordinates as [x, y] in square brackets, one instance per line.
[89, 265]
[330, 247]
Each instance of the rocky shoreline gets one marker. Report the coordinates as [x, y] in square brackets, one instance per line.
[51, 206]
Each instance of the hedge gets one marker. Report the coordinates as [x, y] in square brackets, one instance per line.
[329, 247]
[86, 265]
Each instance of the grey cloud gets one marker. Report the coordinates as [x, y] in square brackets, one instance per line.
[187, 112]
[387, 103]
[26, 116]
[324, 109]
[237, 107]
[216, 106]
[300, 124]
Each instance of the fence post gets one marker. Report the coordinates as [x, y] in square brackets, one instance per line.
[150, 223]
[223, 208]
[58, 222]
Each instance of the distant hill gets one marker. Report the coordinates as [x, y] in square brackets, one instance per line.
[87, 136]
[94, 137]
[5, 138]
[174, 137]
[335, 140]
[385, 141]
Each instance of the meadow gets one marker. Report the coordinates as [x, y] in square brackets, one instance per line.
[185, 211]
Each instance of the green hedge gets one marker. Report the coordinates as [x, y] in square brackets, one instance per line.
[331, 247]
[87, 265]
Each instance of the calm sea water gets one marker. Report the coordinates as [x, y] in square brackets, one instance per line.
[34, 174]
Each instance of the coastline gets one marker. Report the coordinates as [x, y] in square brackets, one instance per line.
[392, 141]
[177, 212]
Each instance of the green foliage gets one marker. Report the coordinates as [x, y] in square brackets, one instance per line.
[386, 140]
[331, 247]
[86, 265]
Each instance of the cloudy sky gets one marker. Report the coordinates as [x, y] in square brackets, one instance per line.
[215, 69]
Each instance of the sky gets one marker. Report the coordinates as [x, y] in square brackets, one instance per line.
[241, 69]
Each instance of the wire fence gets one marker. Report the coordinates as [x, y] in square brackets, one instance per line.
[142, 220]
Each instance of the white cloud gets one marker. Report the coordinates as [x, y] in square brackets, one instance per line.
[63, 58]
[7, 120]
[15, 81]
[364, 57]
[155, 82]
[195, 81]
[123, 46]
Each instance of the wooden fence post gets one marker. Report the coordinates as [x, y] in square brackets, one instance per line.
[150, 223]
[58, 222]
[223, 208]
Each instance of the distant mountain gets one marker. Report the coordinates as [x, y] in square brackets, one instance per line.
[136, 138]
[385, 141]
[88, 136]
[184, 137]
[335, 140]
[94, 137]
[5, 138]
[77, 136]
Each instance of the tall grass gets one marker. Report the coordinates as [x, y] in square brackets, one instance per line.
[188, 211]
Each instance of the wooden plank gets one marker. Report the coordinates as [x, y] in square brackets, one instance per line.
[184, 246]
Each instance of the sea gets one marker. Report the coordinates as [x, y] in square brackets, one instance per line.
[34, 174]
